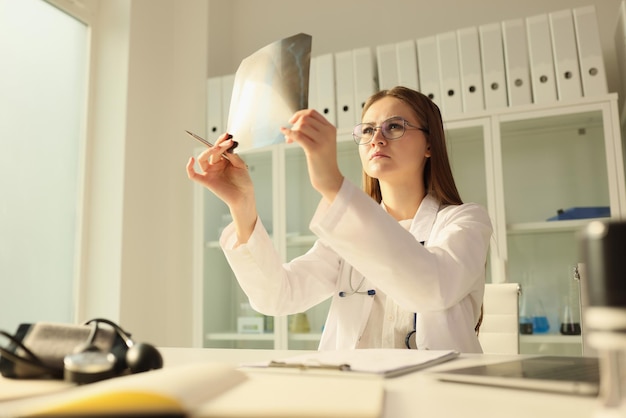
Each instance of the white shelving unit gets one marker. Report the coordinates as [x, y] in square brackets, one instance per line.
[523, 164]
[541, 159]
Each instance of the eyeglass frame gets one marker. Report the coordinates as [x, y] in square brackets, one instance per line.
[405, 123]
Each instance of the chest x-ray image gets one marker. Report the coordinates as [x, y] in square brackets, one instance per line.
[270, 86]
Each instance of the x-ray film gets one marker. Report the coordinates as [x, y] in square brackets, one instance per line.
[270, 86]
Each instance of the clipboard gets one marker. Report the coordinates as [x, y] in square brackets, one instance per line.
[379, 362]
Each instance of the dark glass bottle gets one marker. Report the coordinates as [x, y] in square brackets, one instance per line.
[570, 310]
[525, 316]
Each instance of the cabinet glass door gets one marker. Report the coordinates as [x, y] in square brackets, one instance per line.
[466, 150]
[553, 163]
[228, 319]
[555, 178]
[468, 156]
[305, 329]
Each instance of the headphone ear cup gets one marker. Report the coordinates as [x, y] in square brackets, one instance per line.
[142, 357]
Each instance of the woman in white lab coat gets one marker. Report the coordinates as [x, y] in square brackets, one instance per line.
[405, 258]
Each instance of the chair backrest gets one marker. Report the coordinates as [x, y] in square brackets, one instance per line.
[499, 332]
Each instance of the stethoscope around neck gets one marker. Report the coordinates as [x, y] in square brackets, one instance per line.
[353, 290]
[410, 339]
[356, 291]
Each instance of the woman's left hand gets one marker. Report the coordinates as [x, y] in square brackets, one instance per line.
[318, 139]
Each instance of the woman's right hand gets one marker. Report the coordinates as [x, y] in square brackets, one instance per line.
[230, 181]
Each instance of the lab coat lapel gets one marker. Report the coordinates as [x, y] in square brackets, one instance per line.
[424, 219]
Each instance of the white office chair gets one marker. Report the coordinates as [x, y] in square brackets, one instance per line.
[499, 331]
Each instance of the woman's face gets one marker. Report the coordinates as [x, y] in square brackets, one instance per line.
[401, 159]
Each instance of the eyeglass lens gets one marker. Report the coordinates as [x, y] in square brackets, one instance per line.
[391, 129]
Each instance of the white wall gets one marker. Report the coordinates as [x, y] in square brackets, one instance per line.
[243, 26]
[149, 81]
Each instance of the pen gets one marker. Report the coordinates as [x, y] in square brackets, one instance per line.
[208, 144]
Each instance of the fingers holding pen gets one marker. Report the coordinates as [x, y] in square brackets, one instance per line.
[216, 159]
[224, 145]
[218, 153]
[227, 149]
[226, 142]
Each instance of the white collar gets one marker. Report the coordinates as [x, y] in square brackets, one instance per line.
[424, 219]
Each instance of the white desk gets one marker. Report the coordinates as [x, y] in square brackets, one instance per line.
[413, 395]
[420, 395]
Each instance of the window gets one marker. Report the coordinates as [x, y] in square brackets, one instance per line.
[43, 80]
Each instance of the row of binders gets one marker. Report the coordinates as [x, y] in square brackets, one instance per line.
[539, 59]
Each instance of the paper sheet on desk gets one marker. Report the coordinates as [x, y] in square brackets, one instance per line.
[209, 390]
[270, 86]
[371, 361]
[176, 391]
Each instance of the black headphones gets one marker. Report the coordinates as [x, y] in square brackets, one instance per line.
[90, 364]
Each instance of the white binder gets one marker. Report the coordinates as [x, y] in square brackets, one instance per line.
[344, 76]
[541, 60]
[449, 73]
[492, 55]
[472, 93]
[428, 67]
[325, 87]
[214, 118]
[365, 83]
[397, 65]
[406, 53]
[387, 62]
[228, 82]
[566, 66]
[592, 69]
[517, 64]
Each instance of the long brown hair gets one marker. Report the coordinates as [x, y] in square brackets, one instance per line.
[438, 179]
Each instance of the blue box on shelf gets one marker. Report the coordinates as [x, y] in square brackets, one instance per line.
[582, 213]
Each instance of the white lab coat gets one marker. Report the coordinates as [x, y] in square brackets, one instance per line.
[442, 281]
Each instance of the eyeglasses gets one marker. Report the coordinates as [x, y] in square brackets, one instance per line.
[392, 128]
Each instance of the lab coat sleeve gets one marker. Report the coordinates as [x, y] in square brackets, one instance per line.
[277, 288]
[419, 278]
